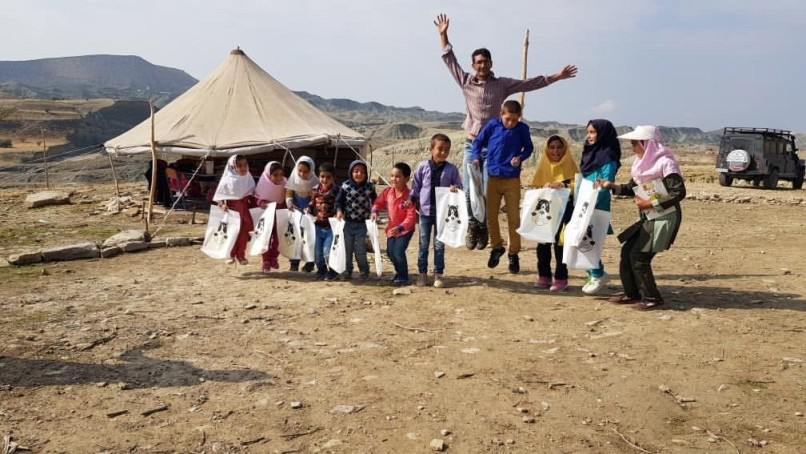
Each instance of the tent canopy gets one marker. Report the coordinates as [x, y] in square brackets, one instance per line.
[237, 109]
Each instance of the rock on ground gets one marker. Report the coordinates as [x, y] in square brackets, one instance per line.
[45, 198]
[73, 252]
[25, 258]
[126, 236]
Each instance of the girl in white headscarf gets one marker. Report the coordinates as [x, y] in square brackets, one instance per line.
[653, 165]
[235, 192]
[298, 193]
[271, 188]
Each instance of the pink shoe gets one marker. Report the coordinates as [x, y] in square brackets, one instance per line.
[559, 285]
[543, 282]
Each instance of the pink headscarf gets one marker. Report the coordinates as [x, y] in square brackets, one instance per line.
[657, 161]
[266, 189]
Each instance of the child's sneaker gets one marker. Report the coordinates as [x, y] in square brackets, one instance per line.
[364, 275]
[543, 282]
[495, 257]
[331, 275]
[294, 266]
[514, 264]
[422, 280]
[595, 284]
[560, 285]
[482, 236]
[243, 261]
[438, 282]
[308, 267]
[321, 273]
[230, 261]
[471, 239]
[346, 276]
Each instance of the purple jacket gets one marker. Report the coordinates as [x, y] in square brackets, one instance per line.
[421, 189]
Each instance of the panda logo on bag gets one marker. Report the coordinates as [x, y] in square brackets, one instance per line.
[220, 235]
[541, 214]
[259, 227]
[587, 243]
[289, 236]
[335, 242]
[452, 220]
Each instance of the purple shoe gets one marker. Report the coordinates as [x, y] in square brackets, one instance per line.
[543, 282]
[559, 285]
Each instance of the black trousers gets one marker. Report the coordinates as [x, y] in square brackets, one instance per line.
[544, 250]
[635, 269]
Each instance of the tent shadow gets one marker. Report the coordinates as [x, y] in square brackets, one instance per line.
[137, 371]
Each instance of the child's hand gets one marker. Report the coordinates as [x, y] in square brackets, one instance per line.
[373, 217]
[223, 206]
[554, 185]
[641, 203]
[263, 204]
[516, 161]
[339, 215]
[291, 207]
[454, 188]
[475, 163]
[603, 184]
[397, 231]
[407, 204]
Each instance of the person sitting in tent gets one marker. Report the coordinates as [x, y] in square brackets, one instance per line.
[235, 192]
[162, 195]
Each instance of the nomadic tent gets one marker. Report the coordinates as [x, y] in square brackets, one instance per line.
[240, 109]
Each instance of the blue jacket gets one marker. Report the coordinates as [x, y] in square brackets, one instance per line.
[502, 145]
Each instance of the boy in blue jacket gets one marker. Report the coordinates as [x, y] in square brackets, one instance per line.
[508, 144]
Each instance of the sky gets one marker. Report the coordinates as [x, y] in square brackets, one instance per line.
[700, 63]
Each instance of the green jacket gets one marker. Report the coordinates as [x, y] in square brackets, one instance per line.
[658, 234]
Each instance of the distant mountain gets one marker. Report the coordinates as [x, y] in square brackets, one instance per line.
[355, 113]
[92, 76]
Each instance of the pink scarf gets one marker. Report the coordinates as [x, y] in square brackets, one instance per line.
[656, 163]
[266, 189]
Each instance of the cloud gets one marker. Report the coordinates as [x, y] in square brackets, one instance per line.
[604, 108]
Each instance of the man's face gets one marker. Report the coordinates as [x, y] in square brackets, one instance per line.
[483, 66]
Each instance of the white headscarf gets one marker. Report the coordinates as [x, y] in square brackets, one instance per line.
[266, 189]
[233, 186]
[296, 183]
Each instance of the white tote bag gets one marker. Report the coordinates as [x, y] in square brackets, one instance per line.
[287, 235]
[542, 212]
[307, 229]
[452, 218]
[372, 233]
[588, 254]
[222, 231]
[263, 221]
[584, 204]
[338, 254]
[478, 199]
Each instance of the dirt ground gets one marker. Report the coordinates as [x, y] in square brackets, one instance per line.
[91, 348]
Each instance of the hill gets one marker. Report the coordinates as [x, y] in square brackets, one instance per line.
[92, 76]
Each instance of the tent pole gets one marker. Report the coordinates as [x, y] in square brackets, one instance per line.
[153, 190]
[45, 155]
[114, 175]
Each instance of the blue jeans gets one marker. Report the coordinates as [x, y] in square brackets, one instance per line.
[466, 178]
[396, 250]
[324, 238]
[427, 225]
[355, 235]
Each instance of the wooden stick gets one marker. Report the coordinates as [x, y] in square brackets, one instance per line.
[114, 175]
[633, 445]
[300, 434]
[523, 66]
[153, 191]
[416, 330]
[155, 410]
[720, 437]
[45, 155]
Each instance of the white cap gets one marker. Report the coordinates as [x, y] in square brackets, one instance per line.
[644, 132]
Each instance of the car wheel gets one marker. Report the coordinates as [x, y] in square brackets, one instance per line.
[725, 179]
[797, 183]
[771, 179]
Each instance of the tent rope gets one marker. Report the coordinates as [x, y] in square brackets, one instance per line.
[182, 194]
[364, 160]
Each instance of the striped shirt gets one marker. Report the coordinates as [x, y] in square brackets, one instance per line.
[484, 98]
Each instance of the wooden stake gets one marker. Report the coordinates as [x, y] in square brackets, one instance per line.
[523, 65]
[153, 191]
[114, 175]
[45, 154]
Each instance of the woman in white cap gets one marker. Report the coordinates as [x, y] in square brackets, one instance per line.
[657, 177]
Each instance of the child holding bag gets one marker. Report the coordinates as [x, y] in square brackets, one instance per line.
[354, 205]
[556, 169]
[235, 192]
[298, 194]
[402, 218]
[271, 188]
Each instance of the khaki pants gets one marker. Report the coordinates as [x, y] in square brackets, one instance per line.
[510, 190]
